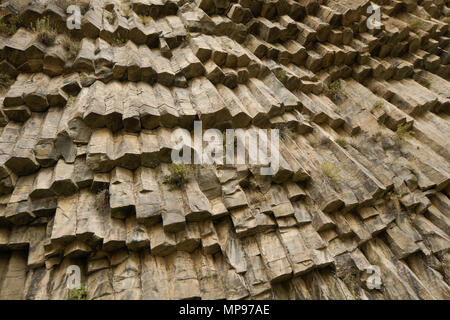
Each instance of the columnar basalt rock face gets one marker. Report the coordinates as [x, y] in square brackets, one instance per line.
[85, 144]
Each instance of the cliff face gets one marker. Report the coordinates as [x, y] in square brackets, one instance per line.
[361, 197]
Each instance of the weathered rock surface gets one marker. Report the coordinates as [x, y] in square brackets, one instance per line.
[364, 179]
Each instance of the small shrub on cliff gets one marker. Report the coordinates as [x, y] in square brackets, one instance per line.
[404, 131]
[178, 176]
[79, 294]
[335, 87]
[337, 93]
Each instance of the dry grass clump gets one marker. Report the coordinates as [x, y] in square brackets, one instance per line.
[45, 31]
[312, 140]
[70, 46]
[377, 105]
[102, 199]
[341, 141]
[331, 170]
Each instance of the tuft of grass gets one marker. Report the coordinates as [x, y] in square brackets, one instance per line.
[179, 175]
[331, 170]
[45, 31]
[335, 86]
[341, 141]
[377, 105]
[414, 24]
[79, 294]
[70, 46]
[336, 90]
[404, 131]
[9, 25]
[5, 81]
[119, 41]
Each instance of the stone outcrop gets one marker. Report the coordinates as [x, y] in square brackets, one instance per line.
[85, 144]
